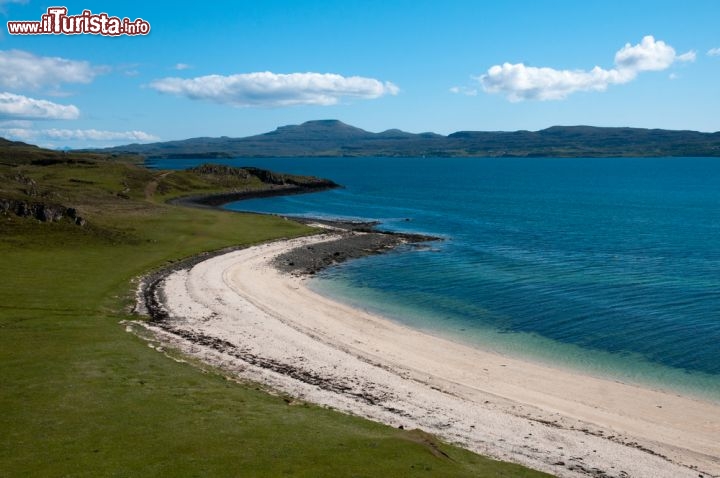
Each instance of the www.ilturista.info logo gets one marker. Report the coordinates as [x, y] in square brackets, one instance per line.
[57, 22]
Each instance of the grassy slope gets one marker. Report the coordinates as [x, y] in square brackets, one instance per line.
[81, 397]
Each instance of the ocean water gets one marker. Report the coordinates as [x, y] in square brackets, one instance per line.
[611, 266]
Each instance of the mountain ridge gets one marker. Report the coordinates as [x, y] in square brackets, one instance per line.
[335, 138]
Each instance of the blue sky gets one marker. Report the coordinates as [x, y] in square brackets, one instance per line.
[238, 68]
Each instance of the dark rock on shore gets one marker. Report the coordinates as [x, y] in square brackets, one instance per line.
[216, 200]
[348, 225]
[358, 240]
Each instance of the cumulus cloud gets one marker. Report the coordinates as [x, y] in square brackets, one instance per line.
[648, 55]
[713, 52]
[22, 107]
[271, 89]
[23, 70]
[520, 82]
[182, 66]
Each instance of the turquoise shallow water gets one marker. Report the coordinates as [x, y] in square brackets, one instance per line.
[607, 265]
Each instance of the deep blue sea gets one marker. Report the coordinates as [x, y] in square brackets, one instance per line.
[611, 266]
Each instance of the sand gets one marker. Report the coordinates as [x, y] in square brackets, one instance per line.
[238, 312]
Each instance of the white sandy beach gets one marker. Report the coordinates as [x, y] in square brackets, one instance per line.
[276, 331]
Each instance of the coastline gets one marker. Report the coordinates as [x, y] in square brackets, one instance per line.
[248, 312]
[218, 199]
[237, 311]
[356, 238]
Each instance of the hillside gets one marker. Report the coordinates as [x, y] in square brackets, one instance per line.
[13, 153]
[335, 138]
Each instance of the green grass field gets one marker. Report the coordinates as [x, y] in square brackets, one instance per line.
[79, 396]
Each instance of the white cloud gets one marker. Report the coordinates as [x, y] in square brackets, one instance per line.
[126, 69]
[21, 70]
[80, 137]
[97, 135]
[688, 56]
[271, 89]
[21, 107]
[182, 66]
[463, 90]
[713, 52]
[520, 82]
[648, 55]
[17, 134]
[16, 124]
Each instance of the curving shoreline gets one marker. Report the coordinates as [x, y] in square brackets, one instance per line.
[237, 311]
[216, 200]
[248, 312]
[357, 238]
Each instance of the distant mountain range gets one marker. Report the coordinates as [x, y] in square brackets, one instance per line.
[335, 138]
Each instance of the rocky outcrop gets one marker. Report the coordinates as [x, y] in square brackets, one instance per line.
[31, 188]
[265, 176]
[43, 212]
[277, 185]
[359, 239]
[220, 170]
